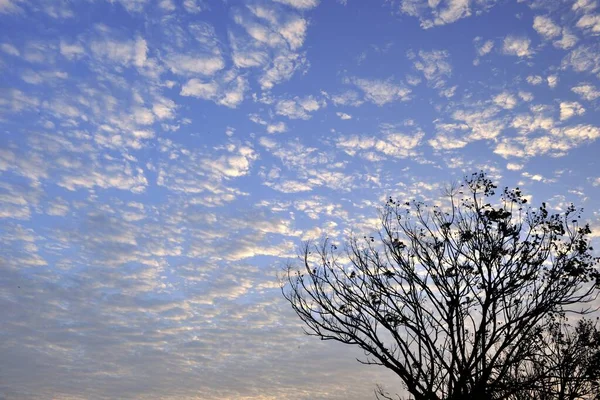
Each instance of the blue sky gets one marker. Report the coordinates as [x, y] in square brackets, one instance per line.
[160, 161]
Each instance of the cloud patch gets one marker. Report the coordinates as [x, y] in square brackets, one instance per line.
[300, 4]
[517, 46]
[545, 27]
[438, 13]
[299, 107]
[228, 90]
[381, 92]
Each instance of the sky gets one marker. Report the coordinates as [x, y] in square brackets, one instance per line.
[162, 160]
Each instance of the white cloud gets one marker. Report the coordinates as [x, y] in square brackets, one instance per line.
[536, 177]
[586, 91]
[122, 177]
[192, 49]
[281, 69]
[590, 23]
[546, 27]
[269, 31]
[14, 205]
[164, 108]
[262, 34]
[448, 92]
[436, 13]
[516, 46]
[299, 108]
[227, 90]
[143, 116]
[381, 92]
[556, 143]
[59, 9]
[234, 91]
[71, 50]
[291, 186]
[257, 119]
[294, 32]
[526, 96]
[569, 109]
[584, 59]
[343, 116]
[270, 38]
[505, 100]
[580, 133]
[277, 127]
[39, 52]
[10, 49]
[194, 6]
[567, 41]
[484, 48]
[534, 80]
[10, 6]
[514, 166]
[444, 141]
[250, 59]
[204, 173]
[235, 164]
[552, 81]
[245, 54]
[300, 4]
[413, 80]
[540, 118]
[434, 65]
[347, 98]
[185, 64]
[134, 5]
[131, 52]
[391, 144]
[36, 78]
[197, 88]
[58, 207]
[167, 5]
[14, 100]
[310, 166]
[584, 5]
[482, 122]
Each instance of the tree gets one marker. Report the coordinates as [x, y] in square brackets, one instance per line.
[566, 367]
[454, 299]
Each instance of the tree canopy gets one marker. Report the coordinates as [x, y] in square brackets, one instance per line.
[466, 299]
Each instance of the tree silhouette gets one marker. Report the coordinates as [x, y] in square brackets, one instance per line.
[566, 366]
[458, 299]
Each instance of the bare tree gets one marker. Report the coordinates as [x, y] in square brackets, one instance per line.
[455, 298]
